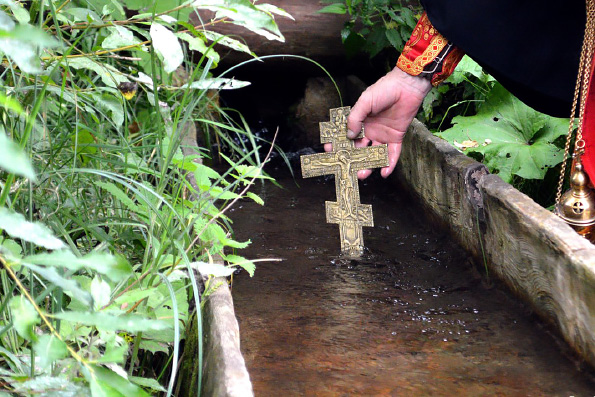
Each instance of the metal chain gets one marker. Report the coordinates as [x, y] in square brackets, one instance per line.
[581, 88]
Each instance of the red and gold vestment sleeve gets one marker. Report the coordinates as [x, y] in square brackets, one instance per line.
[428, 53]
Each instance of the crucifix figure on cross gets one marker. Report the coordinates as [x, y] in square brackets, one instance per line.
[344, 162]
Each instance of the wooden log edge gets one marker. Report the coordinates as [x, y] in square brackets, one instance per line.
[539, 257]
[224, 371]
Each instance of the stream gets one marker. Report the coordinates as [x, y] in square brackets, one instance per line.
[413, 317]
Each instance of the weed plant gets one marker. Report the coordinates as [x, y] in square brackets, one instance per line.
[102, 236]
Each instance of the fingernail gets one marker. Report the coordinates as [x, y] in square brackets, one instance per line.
[351, 134]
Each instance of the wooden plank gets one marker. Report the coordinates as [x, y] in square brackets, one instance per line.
[534, 252]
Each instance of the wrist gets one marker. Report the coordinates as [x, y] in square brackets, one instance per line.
[417, 84]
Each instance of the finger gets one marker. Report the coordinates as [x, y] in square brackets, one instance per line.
[363, 174]
[381, 131]
[359, 112]
[394, 151]
[362, 142]
[328, 147]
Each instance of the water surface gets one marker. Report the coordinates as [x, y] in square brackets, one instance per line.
[412, 318]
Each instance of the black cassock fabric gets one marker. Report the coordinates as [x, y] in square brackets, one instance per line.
[531, 47]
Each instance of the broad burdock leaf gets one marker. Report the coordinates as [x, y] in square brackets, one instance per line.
[112, 266]
[49, 349]
[13, 159]
[17, 226]
[24, 316]
[467, 67]
[112, 322]
[167, 46]
[513, 138]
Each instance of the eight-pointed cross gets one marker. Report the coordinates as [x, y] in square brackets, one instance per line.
[344, 162]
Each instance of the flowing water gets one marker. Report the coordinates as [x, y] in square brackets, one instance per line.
[412, 318]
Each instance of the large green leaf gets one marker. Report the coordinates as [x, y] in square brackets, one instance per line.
[109, 265]
[13, 159]
[119, 37]
[51, 275]
[228, 42]
[242, 262]
[106, 383]
[24, 316]
[337, 8]
[49, 349]
[101, 292]
[20, 42]
[49, 386]
[513, 138]
[17, 226]
[167, 46]
[109, 76]
[158, 6]
[111, 322]
[198, 44]
[19, 12]
[213, 269]
[246, 14]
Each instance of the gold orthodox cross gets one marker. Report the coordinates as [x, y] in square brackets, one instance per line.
[344, 162]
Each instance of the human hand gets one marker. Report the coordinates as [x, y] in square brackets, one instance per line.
[386, 108]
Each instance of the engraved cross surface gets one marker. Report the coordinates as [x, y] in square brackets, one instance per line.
[344, 162]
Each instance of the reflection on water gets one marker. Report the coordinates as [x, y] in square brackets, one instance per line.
[411, 318]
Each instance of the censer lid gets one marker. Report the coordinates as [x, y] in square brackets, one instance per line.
[577, 205]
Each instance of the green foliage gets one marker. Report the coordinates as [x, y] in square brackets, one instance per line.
[512, 138]
[374, 24]
[99, 227]
[461, 94]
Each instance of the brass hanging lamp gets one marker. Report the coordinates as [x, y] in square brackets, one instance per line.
[577, 205]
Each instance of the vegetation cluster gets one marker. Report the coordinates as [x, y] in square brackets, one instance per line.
[102, 237]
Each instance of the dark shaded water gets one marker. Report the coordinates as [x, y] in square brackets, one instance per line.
[412, 318]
